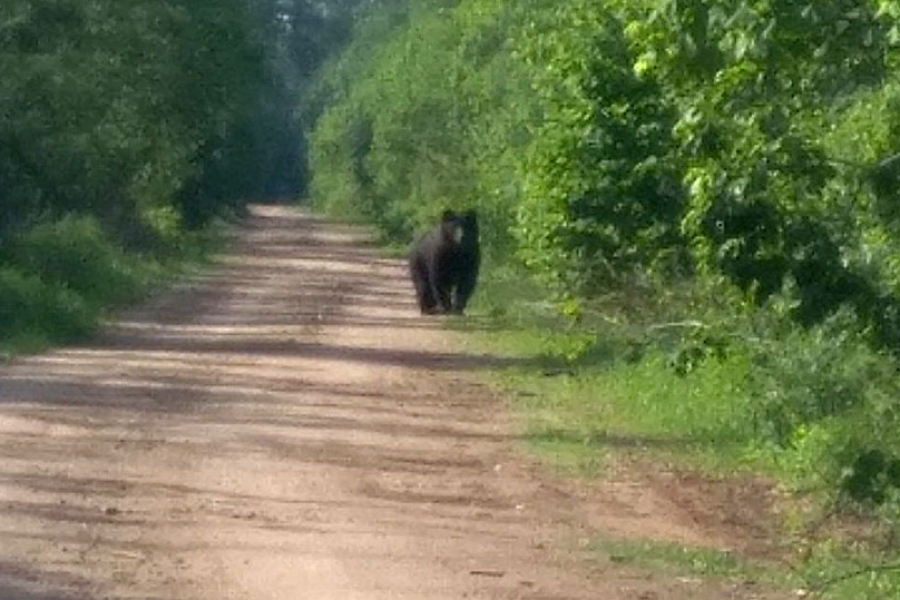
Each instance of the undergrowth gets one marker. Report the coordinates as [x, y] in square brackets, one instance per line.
[711, 385]
[60, 279]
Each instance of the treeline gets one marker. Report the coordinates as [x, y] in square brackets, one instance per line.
[726, 170]
[126, 126]
[126, 110]
[606, 139]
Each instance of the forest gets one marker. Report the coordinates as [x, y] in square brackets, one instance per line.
[689, 207]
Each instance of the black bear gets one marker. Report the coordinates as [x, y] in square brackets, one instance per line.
[444, 263]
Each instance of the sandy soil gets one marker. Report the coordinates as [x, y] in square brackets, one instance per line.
[288, 427]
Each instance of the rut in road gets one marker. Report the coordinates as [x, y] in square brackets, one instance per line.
[284, 427]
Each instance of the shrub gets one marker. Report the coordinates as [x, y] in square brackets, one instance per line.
[826, 401]
[75, 253]
[29, 307]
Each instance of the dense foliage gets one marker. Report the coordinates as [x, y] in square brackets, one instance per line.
[120, 109]
[126, 125]
[727, 165]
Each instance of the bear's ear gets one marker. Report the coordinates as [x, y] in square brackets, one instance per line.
[448, 215]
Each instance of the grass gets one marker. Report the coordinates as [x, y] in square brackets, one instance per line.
[836, 572]
[609, 384]
[680, 561]
[582, 391]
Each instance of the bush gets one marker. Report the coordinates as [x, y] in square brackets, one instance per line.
[74, 253]
[602, 195]
[826, 401]
[31, 308]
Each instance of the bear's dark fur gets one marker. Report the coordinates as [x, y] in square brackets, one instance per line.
[444, 263]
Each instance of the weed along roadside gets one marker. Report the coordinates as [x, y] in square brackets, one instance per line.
[61, 280]
[670, 428]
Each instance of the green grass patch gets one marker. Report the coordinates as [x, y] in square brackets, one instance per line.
[845, 572]
[586, 390]
[705, 563]
[581, 411]
[570, 451]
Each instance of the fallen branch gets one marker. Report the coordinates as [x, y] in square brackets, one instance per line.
[487, 573]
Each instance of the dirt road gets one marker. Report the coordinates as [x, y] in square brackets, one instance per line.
[288, 427]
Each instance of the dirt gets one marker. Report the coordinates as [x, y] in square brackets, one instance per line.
[286, 426]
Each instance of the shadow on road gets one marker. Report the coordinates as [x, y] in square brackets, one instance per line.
[18, 582]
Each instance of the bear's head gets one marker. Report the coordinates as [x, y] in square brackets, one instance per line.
[460, 229]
